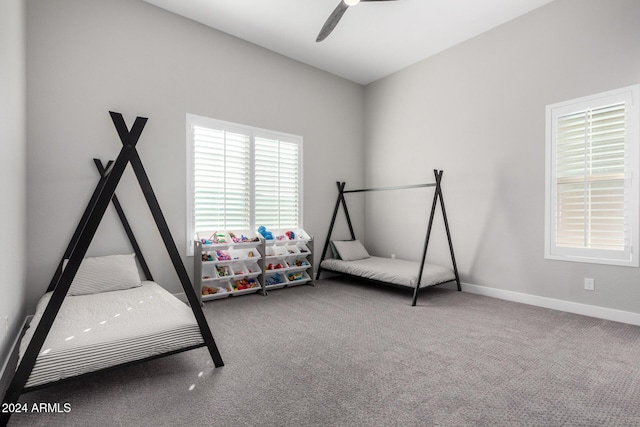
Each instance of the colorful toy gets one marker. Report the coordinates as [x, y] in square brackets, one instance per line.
[291, 235]
[245, 284]
[223, 271]
[274, 280]
[217, 237]
[222, 256]
[213, 291]
[277, 266]
[295, 276]
[265, 233]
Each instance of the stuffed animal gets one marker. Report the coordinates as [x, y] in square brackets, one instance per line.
[265, 233]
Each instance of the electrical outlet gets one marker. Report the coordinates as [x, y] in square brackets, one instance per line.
[589, 284]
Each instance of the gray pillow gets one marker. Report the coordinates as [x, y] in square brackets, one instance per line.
[350, 250]
[106, 273]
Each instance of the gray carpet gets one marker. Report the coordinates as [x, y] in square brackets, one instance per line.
[349, 354]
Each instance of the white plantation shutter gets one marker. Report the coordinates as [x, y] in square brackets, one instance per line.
[240, 177]
[276, 183]
[222, 180]
[593, 178]
[590, 179]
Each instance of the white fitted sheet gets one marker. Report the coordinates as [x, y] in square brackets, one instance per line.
[397, 271]
[97, 331]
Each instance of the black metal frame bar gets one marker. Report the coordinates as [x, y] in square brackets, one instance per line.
[169, 243]
[114, 367]
[76, 250]
[380, 282]
[437, 196]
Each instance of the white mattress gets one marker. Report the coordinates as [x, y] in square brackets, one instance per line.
[396, 271]
[97, 331]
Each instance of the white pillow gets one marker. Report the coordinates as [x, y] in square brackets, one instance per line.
[105, 273]
[350, 250]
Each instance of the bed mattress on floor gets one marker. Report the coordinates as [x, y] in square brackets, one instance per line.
[396, 271]
[97, 331]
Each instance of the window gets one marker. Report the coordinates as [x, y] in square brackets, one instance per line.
[592, 173]
[240, 177]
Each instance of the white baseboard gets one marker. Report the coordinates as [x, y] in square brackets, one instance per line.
[556, 304]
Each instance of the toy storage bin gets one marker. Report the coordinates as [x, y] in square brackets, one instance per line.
[222, 255]
[302, 248]
[252, 268]
[278, 251]
[275, 264]
[301, 235]
[242, 254]
[215, 290]
[241, 237]
[275, 280]
[223, 270]
[292, 250]
[245, 285]
[279, 236]
[209, 272]
[209, 256]
[297, 278]
[238, 269]
[214, 237]
[299, 263]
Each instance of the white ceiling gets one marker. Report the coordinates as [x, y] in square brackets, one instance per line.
[371, 41]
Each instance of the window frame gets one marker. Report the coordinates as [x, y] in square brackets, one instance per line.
[630, 95]
[253, 133]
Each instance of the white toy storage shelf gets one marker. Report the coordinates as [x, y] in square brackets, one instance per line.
[238, 263]
[288, 259]
[227, 263]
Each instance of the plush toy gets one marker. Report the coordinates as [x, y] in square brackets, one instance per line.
[291, 235]
[265, 233]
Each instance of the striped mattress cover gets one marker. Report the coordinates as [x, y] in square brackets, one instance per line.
[97, 331]
[396, 271]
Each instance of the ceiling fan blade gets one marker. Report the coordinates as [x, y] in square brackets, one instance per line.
[332, 21]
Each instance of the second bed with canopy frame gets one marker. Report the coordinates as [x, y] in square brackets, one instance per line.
[394, 272]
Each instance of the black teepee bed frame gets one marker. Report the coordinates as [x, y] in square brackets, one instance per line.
[437, 196]
[104, 194]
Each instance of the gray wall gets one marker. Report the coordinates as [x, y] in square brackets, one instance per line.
[12, 171]
[477, 112]
[86, 57]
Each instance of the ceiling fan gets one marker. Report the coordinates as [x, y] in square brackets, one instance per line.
[334, 18]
